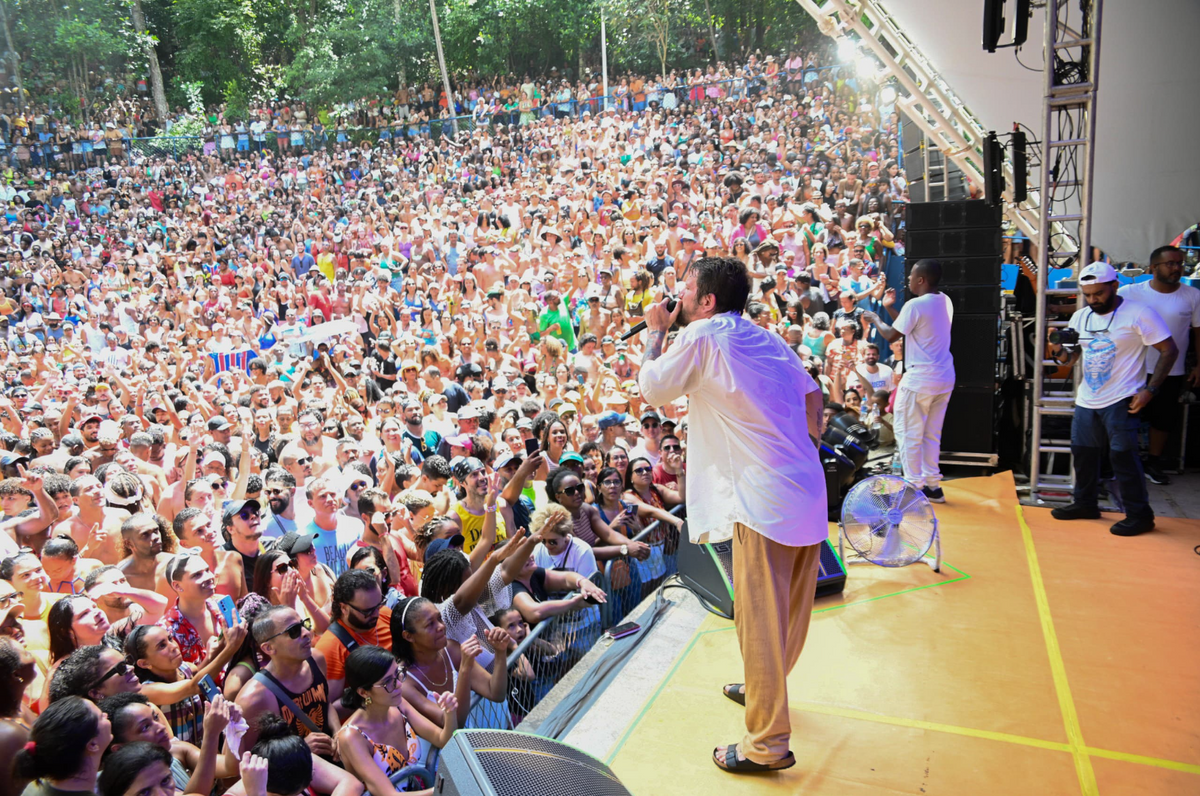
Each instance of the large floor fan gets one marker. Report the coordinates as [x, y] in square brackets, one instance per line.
[887, 521]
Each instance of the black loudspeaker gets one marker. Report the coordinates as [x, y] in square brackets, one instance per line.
[968, 271]
[1020, 163]
[973, 340]
[979, 242]
[707, 569]
[505, 763]
[993, 23]
[993, 170]
[969, 426]
[974, 299]
[952, 215]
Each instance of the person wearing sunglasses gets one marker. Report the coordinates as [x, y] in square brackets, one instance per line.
[278, 580]
[385, 733]
[297, 670]
[648, 445]
[359, 617]
[567, 490]
[93, 672]
[640, 488]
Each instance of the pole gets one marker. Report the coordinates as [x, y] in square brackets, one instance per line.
[604, 55]
[11, 54]
[437, 38]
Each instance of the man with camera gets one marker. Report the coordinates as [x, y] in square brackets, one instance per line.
[1111, 334]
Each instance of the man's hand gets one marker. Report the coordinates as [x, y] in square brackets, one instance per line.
[889, 297]
[319, 744]
[1140, 400]
[659, 319]
[1193, 378]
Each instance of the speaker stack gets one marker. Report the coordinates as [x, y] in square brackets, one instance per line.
[965, 237]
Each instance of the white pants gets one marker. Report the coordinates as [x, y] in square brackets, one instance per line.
[918, 426]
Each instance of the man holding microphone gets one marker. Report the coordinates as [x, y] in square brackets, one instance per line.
[754, 418]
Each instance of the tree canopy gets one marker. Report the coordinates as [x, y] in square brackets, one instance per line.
[77, 52]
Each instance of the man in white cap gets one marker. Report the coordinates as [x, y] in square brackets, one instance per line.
[1113, 336]
[1179, 306]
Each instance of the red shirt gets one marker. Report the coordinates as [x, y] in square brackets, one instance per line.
[185, 633]
[318, 302]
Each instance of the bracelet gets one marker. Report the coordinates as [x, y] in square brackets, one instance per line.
[489, 509]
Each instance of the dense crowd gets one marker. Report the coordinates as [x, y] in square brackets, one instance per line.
[300, 442]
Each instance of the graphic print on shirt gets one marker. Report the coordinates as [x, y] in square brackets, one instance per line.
[1098, 357]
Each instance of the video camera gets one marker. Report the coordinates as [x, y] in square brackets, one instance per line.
[1065, 337]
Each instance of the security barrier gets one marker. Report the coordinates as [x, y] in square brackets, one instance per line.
[553, 648]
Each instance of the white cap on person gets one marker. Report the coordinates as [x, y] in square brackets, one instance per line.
[1096, 273]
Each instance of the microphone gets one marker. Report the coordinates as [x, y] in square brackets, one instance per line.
[640, 326]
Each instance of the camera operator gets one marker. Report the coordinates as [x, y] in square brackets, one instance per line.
[1111, 335]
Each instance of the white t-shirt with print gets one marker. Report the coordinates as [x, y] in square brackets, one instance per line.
[1114, 352]
[1180, 310]
[925, 322]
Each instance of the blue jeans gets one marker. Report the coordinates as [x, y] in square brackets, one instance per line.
[1093, 431]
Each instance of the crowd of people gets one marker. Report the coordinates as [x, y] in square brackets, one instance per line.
[299, 443]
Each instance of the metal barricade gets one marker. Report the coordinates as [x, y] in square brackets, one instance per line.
[628, 581]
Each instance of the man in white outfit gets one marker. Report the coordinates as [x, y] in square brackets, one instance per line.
[921, 401]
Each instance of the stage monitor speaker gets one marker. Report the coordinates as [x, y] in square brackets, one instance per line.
[943, 216]
[707, 569]
[973, 340]
[969, 426]
[506, 763]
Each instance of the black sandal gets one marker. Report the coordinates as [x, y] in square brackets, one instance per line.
[735, 766]
[736, 692]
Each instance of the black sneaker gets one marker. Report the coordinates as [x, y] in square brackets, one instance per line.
[1075, 511]
[934, 495]
[1155, 473]
[1132, 526]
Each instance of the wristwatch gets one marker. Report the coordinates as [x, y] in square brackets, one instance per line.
[1150, 388]
[624, 551]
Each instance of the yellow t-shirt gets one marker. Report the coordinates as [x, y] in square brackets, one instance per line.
[472, 527]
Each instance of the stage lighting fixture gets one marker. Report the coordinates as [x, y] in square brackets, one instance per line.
[846, 50]
[865, 67]
[993, 24]
[887, 96]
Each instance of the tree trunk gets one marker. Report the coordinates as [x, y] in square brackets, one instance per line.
[396, 13]
[712, 31]
[156, 80]
[12, 53]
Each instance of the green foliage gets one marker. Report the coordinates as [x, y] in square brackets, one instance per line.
[246, 51]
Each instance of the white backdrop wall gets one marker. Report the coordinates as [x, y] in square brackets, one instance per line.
[1147, 177]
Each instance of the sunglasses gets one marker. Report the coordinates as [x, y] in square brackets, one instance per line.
[669, 448]
[650, 424]
[293, 632]
[282, 567]
[303, 461]
[572, 491]
[117, 671]
[367, 611]
[642, 470]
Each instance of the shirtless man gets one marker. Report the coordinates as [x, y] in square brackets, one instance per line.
[312, 444]
[93, 526]
[143, 536]
[123, 604]
[195, 530]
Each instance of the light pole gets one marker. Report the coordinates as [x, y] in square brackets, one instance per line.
[437, 38]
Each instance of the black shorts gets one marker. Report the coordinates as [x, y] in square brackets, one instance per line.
[1164, 412]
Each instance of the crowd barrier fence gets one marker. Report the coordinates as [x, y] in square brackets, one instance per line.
[553, 648]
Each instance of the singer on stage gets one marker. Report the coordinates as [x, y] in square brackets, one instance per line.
[754, 476]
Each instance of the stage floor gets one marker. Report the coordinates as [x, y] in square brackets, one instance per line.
[1046, 658]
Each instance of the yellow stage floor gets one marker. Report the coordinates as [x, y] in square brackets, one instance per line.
[1046, 658]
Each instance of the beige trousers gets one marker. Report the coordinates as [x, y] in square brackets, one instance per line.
[773, 586]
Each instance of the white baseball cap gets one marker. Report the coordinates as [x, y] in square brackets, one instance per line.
[1096, 273]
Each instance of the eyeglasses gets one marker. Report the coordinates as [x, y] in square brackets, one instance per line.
[293, 632]
[390, 684]
[641, 470]
[303, 461]
[117, 671]
[670, 448]
[612, 482]
[8, 599]
[246, 513]
[367, 611]
[282, 567]
[357, 485]
[572, 491]
[650, 424]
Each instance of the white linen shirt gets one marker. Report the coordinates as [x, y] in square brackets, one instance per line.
[750, 456]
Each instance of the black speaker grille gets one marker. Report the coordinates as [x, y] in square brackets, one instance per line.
[724, 552]
[969, 426]
[522, 765]
[983, 242]
[943, 216]
[974, 299]
[973, 346]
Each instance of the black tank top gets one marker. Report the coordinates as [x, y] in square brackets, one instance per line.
[314, 701]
